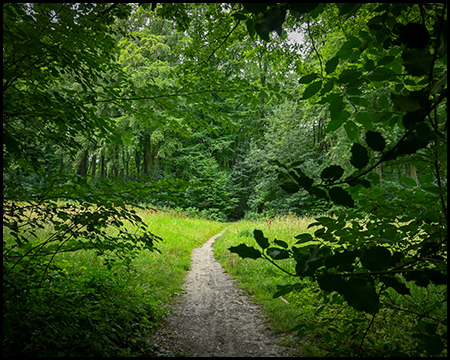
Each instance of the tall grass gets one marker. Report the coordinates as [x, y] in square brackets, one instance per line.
[164, 271]
[88, 309]
[260, 278]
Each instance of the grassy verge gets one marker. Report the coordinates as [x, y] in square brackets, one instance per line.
[87, 309]
[164, 272]
[331, 326]
[260, 278]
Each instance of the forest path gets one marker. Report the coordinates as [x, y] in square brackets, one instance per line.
[214, 316]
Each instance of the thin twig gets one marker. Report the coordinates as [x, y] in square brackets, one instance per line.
[365, 334]
[315, 50]
[223, 42]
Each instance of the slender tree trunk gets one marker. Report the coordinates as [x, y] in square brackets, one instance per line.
[83, 167]
[126, 161]
[137, 159]
[93, 165]
[103, 164]
[148, 155]
[155, 154]
[379, 171]
[411, 171]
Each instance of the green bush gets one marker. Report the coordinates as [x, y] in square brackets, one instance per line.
[85, 312]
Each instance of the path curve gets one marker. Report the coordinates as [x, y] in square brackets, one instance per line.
[215, 317]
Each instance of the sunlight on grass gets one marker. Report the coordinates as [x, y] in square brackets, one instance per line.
[165, 271]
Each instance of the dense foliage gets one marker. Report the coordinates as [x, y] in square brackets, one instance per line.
[391, 235]
[215, 109]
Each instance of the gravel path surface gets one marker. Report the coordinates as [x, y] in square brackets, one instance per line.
[214, 317]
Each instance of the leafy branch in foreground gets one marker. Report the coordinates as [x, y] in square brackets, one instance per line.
[382, 238]
[73, 217]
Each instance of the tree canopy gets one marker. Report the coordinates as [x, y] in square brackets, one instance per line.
[214, 109]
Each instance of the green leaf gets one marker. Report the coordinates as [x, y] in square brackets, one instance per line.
[265, 35]
[341, 260]
[417, 62]
[250, 24]
[413, 35]
[439, 86]
[415, 101]
[383, 103]
[301, 7]
[331, 283]
[434, 345]
[363, 182]
[239, 16]
[385, 60]
[273, 19]
[411, 145]
[376, 258]
[394, 283]
[381, 74]
[348, 8]
[308, 78]
[255, 8]
[332, 173]
[362, 296]
[375, 140]
[315, 191]
[327, 88]
[341, 196]
[245, 251]
[304, 181]
[348, 76]
[335, 124]
[359, 157]
[331, 64]
[290, 187]
[369, 65]
[359, 293]
[302, 238]
[281, 243]
[360, 101]
[408, 181]
[261, 239]
[365, 119]
[351, 129]
[336, 106]
[278, 254]
[312, 90]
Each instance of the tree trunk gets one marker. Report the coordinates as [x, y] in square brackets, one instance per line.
[102, 164]
[379, 171]
[411, 171]
[137, 160]
[83, 167]
[148, 156]
[155, 154]
[93, 165]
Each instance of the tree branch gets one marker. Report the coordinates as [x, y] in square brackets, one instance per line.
[223, 42]
[109, 9]
[315, 50]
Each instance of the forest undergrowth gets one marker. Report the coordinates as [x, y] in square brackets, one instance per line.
[85, 308]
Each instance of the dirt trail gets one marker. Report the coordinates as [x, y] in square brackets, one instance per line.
[214, 317]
